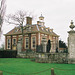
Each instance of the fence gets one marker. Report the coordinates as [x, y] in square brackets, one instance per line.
[52, 72]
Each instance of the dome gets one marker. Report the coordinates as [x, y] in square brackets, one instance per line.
[41, 17]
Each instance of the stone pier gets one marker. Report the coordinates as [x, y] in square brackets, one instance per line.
[71, 45]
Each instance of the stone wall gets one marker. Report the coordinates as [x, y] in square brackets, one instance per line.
[71, 61]
[26, 55]
[46, 57]
[51, 57]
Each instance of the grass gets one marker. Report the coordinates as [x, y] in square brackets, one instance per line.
[21, 66]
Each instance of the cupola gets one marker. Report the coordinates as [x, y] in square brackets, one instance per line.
[41, 21]
[41, 17]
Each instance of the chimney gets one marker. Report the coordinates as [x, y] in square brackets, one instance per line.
[28, 21]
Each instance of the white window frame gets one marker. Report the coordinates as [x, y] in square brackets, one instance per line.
[42, 28]
[25, 42]
[9, 45]
[32, 42]
[15, 41]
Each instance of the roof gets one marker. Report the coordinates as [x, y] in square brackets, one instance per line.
[41, 16]
[32, 29]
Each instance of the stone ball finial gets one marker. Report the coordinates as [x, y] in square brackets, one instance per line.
[72, 25]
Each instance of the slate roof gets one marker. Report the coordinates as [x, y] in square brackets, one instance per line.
[32, 29]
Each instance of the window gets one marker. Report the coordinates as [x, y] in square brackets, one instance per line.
[8, 43]
[14, 41]
[42, 28]
[33, 42]
[27, 43]
[54, 37]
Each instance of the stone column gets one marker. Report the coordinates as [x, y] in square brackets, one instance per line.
[71, 45]
[19, 46]
[44, 44]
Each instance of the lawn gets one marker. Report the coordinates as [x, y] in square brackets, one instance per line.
[21, 66]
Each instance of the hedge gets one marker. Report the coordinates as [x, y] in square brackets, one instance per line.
[8, 54]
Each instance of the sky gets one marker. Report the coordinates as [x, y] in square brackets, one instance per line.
[57, 13]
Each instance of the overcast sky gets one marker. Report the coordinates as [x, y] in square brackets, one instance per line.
[57, 13]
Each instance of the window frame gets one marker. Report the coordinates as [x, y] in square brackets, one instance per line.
[25, 42]
[9, 44]
[32, 42]
[15, 41]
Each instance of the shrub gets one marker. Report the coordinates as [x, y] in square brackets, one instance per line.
[8, 54]
[39, 48]
[28, 51]
[48, 46]
[66, 51]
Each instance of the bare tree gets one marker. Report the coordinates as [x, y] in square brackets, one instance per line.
[2, 12]
[19, 19]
